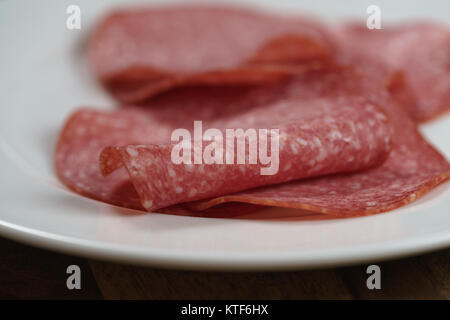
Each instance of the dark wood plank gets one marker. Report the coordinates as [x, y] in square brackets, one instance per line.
[30, 273]
[422, 277]
[438, 264]
[128, 282]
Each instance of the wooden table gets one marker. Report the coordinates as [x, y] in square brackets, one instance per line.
[30, 273]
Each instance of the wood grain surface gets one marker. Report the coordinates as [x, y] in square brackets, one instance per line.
[30, 273]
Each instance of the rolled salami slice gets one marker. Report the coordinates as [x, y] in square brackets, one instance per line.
[322, 128]
[412, 169]
[331, 142]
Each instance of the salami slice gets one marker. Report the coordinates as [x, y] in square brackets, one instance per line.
[413, 60]
[329, 129]
[413, 168]
[325, 139]
[88, 131]
[140, 53]
[342, 145]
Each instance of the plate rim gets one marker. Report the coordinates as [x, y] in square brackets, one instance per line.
[203, 260]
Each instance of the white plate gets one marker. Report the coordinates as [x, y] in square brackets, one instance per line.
[43, 77]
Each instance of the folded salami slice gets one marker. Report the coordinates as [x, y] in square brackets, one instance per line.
[319, 132]
[140, 53]
[333, 139]
[88, 131]
[413, 168]
[413, 60]
[338, 131]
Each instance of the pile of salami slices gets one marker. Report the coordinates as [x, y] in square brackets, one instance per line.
[346, 101]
